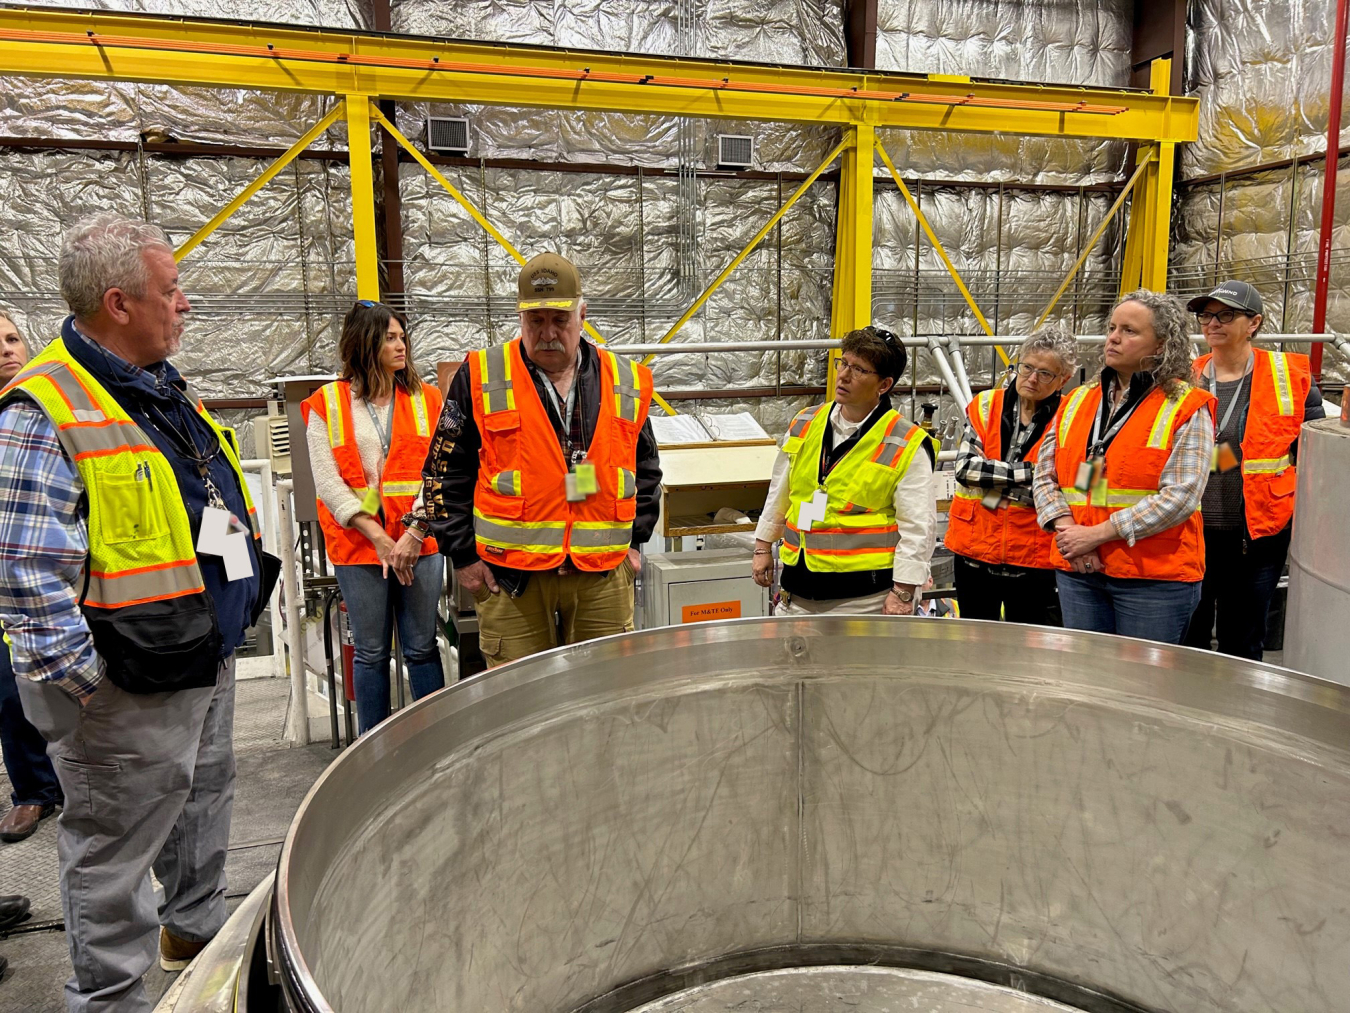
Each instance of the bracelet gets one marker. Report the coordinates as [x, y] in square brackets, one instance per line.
[419, 539]
[762, 552]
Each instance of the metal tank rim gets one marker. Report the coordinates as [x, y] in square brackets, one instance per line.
[1251, 685]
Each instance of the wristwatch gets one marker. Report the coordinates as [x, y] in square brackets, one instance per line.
[905, 596]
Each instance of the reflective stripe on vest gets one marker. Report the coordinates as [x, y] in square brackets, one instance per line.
[337, 430]
[627, 484]
[1069, 411]
[507, 483]
[799, 424]
[1161, 434]
[536, 536]
[627, 386]
[983, 404]
[498, 388]
[1284, 389]
[1268, 466]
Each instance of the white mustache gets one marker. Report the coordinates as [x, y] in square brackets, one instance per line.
[550, 346]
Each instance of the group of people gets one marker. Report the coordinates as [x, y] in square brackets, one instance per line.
[1152, 502]
[131, 564]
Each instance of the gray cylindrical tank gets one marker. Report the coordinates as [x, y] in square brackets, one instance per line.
[1317, 620]
[684, 814]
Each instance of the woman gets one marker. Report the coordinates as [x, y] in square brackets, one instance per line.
[368, 435]
[1248, 507]
[1003, 568]
[36, 792]
[1120, 475]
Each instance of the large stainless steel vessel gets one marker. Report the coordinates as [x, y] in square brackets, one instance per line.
[826, 814]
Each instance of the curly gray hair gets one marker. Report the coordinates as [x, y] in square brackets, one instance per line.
[1057, 339]
[104, 251]
[1172, 365]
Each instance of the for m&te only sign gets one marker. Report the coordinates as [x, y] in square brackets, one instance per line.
[709, 611]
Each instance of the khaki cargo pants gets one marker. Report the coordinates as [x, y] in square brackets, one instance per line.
[583, 605]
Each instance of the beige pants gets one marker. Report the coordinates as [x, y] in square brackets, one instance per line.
[584, 605]
[869, 605]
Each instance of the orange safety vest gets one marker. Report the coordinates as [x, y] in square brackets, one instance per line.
[414, 419]
[1134, 466]
[1009, 535]
[1280, 385]
[521, 516]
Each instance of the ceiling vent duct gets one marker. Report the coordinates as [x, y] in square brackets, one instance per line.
[448, 135]
[735, 151]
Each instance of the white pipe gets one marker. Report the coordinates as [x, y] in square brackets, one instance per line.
[973, 341]
[944, 367]
[297, 717]
[269, 525]
[959, 363]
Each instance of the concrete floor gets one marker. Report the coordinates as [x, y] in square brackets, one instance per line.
[273, 778]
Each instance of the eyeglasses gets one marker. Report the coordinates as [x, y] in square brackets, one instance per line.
[848, 367]
[1223, 316]
[367, 303]
[1039, 375]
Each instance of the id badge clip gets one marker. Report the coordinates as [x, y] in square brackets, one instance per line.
[1225, 458]
[992, 500]
[582, 482]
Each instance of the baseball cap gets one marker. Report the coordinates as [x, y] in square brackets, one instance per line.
[1237, 294]
[549, 281]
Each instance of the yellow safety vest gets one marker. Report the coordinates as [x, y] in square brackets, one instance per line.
[858, 531]
[143, 593]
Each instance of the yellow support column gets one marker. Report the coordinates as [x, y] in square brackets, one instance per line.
[852, 304]
[363, 197]
[1149, 239]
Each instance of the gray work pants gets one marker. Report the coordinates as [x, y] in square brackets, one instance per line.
[148, 779]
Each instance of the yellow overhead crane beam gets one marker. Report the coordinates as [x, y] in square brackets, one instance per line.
[201, 53]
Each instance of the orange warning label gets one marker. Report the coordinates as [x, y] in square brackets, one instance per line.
[712, 610]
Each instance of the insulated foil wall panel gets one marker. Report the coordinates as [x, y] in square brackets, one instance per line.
[42, 193]
[1262, 72]
[1056, 42]
[805, 32]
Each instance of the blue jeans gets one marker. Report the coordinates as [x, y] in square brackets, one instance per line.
[25, 750]
[373, 602]
[1145, 609]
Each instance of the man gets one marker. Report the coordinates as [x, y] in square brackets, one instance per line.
[543, 474]
[36, 792]
[851, 495]
[128, 575]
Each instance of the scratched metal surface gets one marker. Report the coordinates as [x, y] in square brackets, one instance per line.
[850, 990]
[1164, 825]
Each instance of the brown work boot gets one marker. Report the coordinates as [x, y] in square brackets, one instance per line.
[174, 953]
[22, 821]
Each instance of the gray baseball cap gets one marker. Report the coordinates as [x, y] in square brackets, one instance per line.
[1237, 294]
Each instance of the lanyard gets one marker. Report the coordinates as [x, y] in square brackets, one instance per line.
[386, 434]
[187, 445]
[1021, 437]
[566, 414]
[1096, 446]
[1211, 383]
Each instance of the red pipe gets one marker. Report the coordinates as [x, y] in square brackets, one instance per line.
[1329, 182]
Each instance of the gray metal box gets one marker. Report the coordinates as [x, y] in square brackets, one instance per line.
[687, 587]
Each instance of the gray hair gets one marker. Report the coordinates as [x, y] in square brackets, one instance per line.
[1056, 339]
[1172, 365]
[104, 251]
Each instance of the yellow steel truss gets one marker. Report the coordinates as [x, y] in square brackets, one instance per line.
[358, 67]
